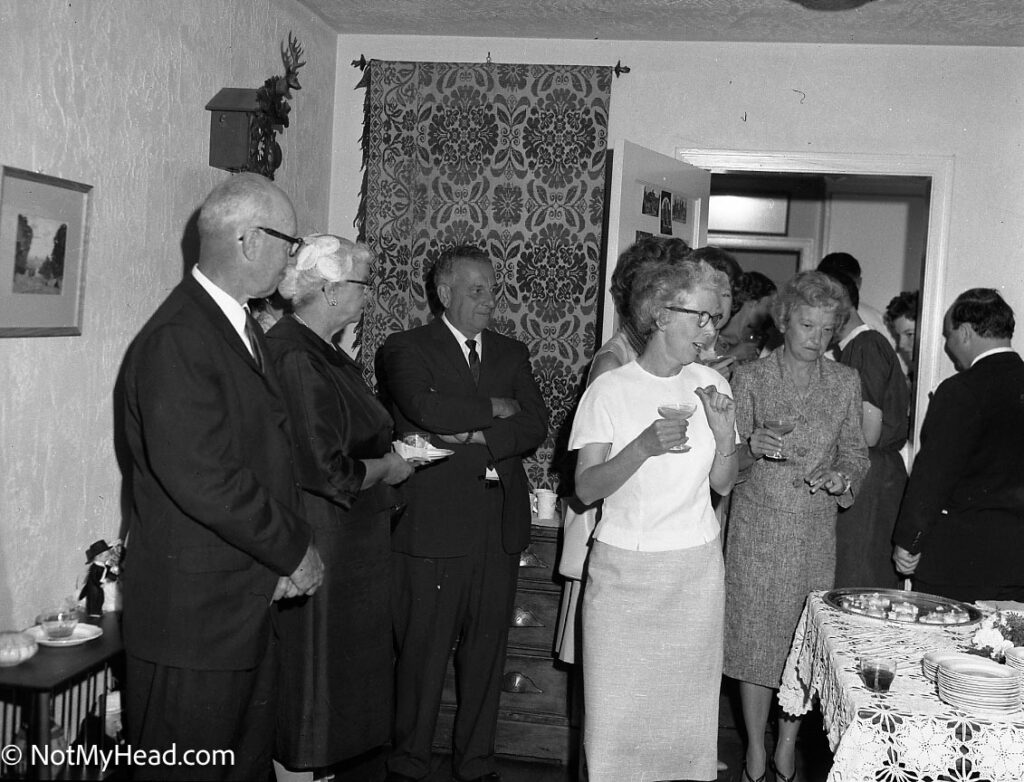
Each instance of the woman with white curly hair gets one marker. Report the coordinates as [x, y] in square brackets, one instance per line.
[336, 648]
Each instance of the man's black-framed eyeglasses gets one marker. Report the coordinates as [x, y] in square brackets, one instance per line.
[703, 317]
[294, 242]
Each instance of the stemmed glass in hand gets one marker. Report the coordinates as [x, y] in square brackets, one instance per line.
[681, 410]
[780, 427]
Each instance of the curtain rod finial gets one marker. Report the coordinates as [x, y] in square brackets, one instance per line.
[360, 63]
[620, 69]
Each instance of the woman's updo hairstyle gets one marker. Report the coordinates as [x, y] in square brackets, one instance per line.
[322, 260]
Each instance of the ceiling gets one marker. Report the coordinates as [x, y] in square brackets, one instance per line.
[928, 22]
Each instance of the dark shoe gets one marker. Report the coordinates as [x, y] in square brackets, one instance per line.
[745, 777]
[779, 776]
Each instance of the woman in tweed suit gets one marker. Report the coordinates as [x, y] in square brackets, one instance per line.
[782, 529]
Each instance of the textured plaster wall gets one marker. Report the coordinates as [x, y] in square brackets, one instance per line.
[111, 93]
[964, 102]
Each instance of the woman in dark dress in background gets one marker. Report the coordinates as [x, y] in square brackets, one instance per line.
[864, 530]
[335, 682]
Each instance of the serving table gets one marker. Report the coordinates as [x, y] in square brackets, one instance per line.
[907, 734]
[71, 671]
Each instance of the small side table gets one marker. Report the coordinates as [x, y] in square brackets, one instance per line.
[55, 669]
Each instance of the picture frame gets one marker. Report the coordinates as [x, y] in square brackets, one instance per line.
[43, 243]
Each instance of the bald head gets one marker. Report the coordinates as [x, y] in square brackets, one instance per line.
[234, 253]
[243, 201]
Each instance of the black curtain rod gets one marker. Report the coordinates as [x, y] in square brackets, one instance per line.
[618, 70]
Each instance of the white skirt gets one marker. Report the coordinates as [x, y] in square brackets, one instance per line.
[652, 663]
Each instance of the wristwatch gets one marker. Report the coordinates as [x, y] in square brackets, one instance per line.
[469, 437]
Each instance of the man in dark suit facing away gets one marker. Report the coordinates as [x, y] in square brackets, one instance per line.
[961, 525]
[215, 533]
[456, 548]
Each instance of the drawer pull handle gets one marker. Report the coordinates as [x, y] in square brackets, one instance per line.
[529, 559]
[513, 681]
[523, 617]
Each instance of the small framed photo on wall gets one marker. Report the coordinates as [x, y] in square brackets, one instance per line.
[649, 205]
[666, 212]
[43, 239]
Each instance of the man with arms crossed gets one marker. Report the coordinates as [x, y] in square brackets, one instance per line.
[468, 518]
[215, 533]
[961, 526]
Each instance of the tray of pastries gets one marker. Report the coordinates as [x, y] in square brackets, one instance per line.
[899, 605]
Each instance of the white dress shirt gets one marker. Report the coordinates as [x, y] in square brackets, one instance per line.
[233, 311]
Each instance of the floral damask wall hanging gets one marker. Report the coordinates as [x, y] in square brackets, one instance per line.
[509, 157]
[244, 122]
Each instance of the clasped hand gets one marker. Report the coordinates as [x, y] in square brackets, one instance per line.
[832, 481]
[304, 580]
[906, 563]
[501, 407]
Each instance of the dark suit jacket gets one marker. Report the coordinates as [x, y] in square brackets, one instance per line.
[425, 379]
[214, 518]
[964, 505]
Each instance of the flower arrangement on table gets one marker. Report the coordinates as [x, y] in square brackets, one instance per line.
[997, 634]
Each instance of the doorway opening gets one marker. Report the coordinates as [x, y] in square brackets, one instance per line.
[855, 193]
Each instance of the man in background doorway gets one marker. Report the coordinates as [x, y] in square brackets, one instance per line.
[961, 526]
[844, 263]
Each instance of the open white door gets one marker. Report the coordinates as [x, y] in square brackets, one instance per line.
[655, 194]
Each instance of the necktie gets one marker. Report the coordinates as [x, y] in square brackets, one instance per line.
[474, 360]
[250, 332]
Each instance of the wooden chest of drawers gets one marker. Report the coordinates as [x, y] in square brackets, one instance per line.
[535, 716]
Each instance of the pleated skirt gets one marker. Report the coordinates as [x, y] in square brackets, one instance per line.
[652, 663]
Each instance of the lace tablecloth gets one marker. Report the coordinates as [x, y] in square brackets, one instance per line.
[906, 734]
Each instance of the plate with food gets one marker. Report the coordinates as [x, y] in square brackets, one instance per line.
[904, 606]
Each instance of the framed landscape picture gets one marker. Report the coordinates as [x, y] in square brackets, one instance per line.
[43, 238]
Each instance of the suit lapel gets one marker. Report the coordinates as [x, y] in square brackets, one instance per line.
[222, 327]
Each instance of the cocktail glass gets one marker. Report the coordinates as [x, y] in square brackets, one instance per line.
[780, 428]
[681, 410]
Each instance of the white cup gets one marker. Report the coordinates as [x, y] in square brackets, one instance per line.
[542, 503]
[112, 719]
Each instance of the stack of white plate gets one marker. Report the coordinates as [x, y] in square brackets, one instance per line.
[1015, 660]
[979, 685]
[930, 662]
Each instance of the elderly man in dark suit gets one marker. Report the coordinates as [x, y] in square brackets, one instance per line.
[468, 517]
[215, 533]
[961, 525]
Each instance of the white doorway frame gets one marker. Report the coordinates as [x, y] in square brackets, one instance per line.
[939, 168]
